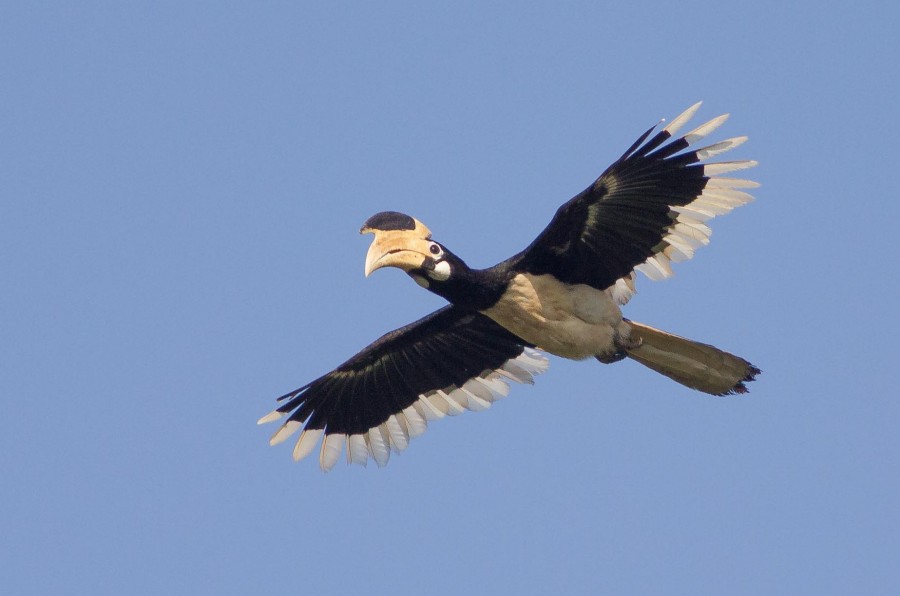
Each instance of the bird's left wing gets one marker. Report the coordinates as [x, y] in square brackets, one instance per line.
[447, 362]
[645, 210]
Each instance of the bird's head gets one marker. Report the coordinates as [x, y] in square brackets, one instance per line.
[404, 242]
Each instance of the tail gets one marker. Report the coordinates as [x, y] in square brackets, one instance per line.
[696, 365]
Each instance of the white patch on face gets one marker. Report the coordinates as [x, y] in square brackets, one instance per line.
[419, 280]
[441, 271]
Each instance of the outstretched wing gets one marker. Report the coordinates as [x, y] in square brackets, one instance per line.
[449, 361]
[645, 210]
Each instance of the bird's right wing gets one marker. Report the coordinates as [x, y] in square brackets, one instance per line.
[451, 360]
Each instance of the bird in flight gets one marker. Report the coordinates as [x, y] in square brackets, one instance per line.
[561, 295]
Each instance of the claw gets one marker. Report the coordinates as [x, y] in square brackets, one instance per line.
[611, 358]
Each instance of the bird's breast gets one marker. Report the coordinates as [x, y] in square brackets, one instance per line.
[572, 321]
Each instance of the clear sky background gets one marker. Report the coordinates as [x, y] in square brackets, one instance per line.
[182, 185]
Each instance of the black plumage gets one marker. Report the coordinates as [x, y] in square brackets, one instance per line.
[440, 351]
[561, 294]
[632, 200]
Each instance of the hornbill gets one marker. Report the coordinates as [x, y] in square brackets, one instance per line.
[561, 295]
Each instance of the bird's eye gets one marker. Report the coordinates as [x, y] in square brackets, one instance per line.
[435, 249]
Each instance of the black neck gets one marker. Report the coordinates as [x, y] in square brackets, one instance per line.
[477, 289]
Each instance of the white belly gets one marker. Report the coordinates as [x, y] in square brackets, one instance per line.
[570, 321]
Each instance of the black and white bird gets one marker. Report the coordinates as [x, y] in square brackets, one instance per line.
[561, 295]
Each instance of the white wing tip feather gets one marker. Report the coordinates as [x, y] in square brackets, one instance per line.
[306, 443]
[712, 169]
[720, 195]
[357, 450]
[731, 183]
[285, 431]
[679, 120]
[705, 129]
[720, 147]
[331, 450]
[270, 417]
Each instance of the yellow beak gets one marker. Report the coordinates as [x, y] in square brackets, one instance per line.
[405, 249]
[404, 253]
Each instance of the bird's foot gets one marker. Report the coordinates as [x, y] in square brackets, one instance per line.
[629, 344]
[610, 358]
[622, 347]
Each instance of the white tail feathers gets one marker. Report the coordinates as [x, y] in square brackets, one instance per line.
[693, 364]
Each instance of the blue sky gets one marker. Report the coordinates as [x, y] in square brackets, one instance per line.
[181, 188]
